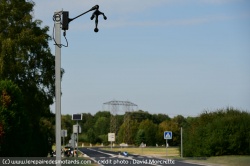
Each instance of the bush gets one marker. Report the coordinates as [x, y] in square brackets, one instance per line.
[224, 132]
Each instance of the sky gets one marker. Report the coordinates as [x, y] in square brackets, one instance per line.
[177, 57]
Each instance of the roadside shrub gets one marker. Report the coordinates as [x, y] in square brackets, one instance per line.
[224, 132]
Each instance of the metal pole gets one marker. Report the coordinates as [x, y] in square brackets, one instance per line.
[74, 145]
[77, 139]
[58, 89]
[64, 138]
[181, 144]
[167, 147]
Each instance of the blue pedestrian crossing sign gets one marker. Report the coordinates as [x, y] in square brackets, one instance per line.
[167, 134]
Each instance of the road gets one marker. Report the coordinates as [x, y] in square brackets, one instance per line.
[109, 158]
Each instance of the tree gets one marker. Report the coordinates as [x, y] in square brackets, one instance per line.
[105, 114]
[25, 56]
[15, 132]
[141, 115]
[150, 130]
[26, 60]
[223, 132]
[91, 136]
[158, 118]
[127, 132]
[159, 136]
[102, 126]
[87, 121]
[140, 137]
[121, 134]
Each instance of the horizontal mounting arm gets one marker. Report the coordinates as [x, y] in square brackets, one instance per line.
[67, 20]
[93, 8]
[62, 18]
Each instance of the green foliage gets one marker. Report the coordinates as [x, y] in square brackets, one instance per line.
[141, 115]
[14, 122]
[83, 137]
[150, 130]
[102, 125]
[91, 136]
[26, 60]
[158, 118]
[159, 135]
[103, 139]
[121, 134]
[102, 114]
[173, 125]
[224, 132]
[140, 137]
[87, 121]
[127, 131]
[25, 56]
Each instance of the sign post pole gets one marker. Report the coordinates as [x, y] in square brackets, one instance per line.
[167, 135]
[111, 138]
[181, 144]
[167, 147]
[64, 134]
[76, 117]
[63, 140]
[77, 139]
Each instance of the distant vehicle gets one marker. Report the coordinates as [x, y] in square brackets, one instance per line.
[125, 154]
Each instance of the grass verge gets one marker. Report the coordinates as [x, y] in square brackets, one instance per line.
[171, 151]
[222, 160]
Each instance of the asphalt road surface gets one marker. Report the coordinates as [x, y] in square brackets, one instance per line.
[109, 158]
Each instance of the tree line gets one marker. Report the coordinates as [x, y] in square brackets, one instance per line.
[220, 132]
[140, 127]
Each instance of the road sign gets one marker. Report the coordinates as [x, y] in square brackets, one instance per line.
[167, 134]
[64, 133]
[111, 137]
[77, 130]
[73, 137]
[77, 117]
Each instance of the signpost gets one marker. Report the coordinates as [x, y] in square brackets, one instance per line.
[181, 144]
[76, 127]
[111, 138]
[64, 134]
[167, 135]
[77, 117]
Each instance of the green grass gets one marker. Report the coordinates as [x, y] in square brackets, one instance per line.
[223, 160]
[171, 151]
